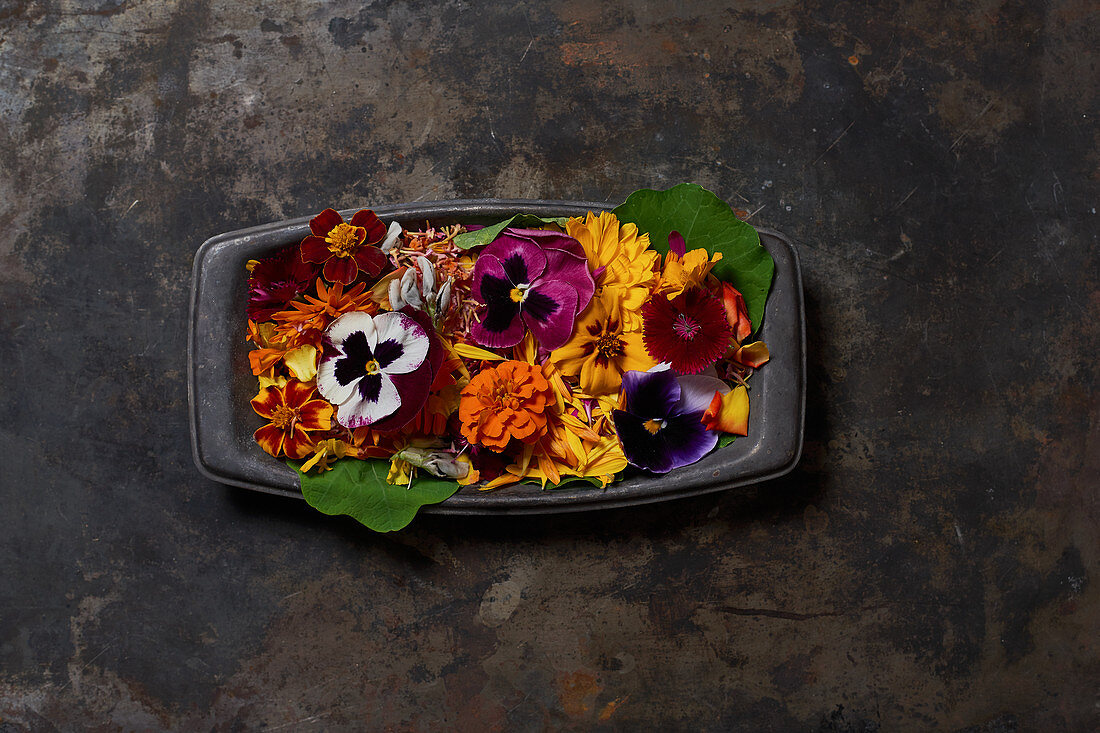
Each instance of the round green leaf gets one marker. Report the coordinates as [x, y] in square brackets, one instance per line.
[705, 221]
[360, 490]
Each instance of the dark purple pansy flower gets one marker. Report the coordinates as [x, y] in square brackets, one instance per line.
[661, 426]
[275, 281]
[529, 279]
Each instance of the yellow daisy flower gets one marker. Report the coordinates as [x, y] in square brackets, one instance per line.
[629, 265]
[602, 347]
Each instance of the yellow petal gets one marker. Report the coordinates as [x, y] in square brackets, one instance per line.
[267, 380]
[729, 413]
[502, 480]
[399, 472]
[469, 351]
[755, 354]
[302, 362]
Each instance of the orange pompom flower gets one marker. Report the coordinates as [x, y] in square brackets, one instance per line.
[509, 400]
[293, 411]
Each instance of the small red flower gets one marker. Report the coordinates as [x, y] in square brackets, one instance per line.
[690, 331]
[277, 280]
[345, 248]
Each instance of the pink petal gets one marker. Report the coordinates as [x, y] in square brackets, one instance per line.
[676, 243]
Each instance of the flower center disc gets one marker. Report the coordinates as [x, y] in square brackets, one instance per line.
[685, 327]
[372, 367]
[284, 417]
[609, 346]
[653, 426]
[518, 295]
[342, 240]
[504, 397]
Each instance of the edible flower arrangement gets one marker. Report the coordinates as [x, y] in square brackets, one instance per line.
[396, 366]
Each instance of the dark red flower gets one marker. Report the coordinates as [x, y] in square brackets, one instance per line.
[345, 248]
[276, 281]
[690, 331]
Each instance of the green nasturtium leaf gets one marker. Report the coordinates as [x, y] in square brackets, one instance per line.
[485, 235]
[705, 221]
[725, 439]
[359, 489]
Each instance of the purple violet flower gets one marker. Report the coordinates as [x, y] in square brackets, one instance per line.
[530, 279]
[661, 427]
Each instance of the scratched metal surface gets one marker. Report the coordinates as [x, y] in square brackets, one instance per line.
[930, 565]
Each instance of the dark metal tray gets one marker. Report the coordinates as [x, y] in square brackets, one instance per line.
[220, 383]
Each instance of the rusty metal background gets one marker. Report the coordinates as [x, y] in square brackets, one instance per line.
[930, 565]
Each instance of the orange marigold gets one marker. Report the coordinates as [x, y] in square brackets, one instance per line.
[509, 400]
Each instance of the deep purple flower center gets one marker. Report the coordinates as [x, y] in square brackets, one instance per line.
[686, 327]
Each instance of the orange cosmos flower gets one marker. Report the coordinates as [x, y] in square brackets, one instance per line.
[293, 411]
[510, 400]
[304, 322]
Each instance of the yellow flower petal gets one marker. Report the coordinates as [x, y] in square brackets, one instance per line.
[729, 413]
[469, 351]
[302, 362]
[266, 380]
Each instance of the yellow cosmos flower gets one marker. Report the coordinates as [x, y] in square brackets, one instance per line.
[602, 348]
[629, 265]
[688, 271]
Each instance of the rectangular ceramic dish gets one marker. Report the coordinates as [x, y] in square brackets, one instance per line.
[220, 383]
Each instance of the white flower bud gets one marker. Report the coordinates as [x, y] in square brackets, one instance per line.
[445, 465]
[410, 293]
[396, 302]
[427, 274]
[444, 301]
[392, 235]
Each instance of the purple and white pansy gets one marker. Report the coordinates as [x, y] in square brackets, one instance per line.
[530, 280]
[362, 356]
[661, 427]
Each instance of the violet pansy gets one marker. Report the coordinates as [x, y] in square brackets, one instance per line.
[530, 280]
[661, 426]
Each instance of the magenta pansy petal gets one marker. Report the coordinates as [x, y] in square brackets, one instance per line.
[522, 260]
[497, 324]
[487, 266]
[549, 311]
[547, 239]
[573, 270]
[509, 336]
[676, 243]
